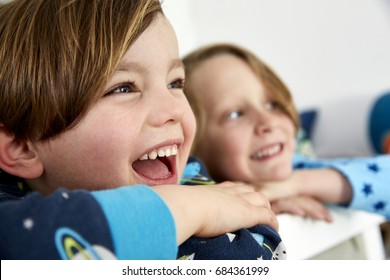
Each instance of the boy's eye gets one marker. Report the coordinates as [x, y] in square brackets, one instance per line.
[271, 105]
[177, 84]
[234, 115]
[124, 88]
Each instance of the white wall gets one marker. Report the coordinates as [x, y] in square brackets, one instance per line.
[332, 54]
[323, 49]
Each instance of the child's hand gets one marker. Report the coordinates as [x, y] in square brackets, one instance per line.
[211, 210]
[326, 185]
[276, 190]
[302, 206]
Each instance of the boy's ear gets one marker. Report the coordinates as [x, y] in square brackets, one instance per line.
[17, 158]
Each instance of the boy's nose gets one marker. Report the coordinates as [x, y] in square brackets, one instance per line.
[263, 123]
[167, 108]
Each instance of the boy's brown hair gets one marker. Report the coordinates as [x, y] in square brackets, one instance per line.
[272, 83]
[57, 56]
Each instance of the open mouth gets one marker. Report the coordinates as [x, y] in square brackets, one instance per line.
[157, 166]
[268, 152]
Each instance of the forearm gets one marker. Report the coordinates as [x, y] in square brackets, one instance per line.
[185, 216]
[366, 186]
[208, 211]
[327, 185]
[124, 223]
[141, 224]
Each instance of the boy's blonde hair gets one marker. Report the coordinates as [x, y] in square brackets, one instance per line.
[57, 56]
[272, 83]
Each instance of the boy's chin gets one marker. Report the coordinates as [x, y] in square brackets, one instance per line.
[279, 174]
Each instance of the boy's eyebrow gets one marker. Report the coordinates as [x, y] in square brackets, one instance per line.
[126, 66]
[176, 63]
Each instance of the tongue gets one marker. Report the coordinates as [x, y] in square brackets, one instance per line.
[153, 169]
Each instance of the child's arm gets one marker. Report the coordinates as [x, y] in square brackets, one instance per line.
[210, 210]
[359, 183]
[304, 192]
[126, 223]
[327, 185]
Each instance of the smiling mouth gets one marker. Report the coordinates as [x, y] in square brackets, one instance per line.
[158, 164]
[268, 152]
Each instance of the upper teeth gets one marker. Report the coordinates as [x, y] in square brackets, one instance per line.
[161, 152]
[268, 152]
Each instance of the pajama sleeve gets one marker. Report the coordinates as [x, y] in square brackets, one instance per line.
[368, 177]
[124, 223]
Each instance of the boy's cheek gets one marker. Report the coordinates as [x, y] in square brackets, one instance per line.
[190, 128]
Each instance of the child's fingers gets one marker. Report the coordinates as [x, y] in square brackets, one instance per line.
[259, 205]
[265, 216]
[302, 206]
[237, 187]
[257, 199]
[287, 206]
[271, 219]
[316, 210]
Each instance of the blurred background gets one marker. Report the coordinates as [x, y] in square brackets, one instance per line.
[321, 48]
[334, 55]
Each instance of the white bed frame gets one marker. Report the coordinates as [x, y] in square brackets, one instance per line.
[351, 235]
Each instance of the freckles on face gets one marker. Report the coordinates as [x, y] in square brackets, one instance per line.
[93, 155]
